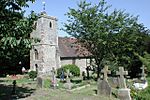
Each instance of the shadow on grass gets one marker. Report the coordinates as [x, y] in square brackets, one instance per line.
[21, 92]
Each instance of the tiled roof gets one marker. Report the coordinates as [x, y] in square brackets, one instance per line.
[69, 48]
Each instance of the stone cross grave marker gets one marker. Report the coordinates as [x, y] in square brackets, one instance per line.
[123, 92]
[67, 78]
[54, 80]
[121, 73]
[103, 86]
[143, 72]
[105, 71]
[68, 84]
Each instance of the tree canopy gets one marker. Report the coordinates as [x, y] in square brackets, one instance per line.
[108, 36]
[15, 29]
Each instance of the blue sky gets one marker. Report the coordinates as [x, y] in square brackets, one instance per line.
[58, 8]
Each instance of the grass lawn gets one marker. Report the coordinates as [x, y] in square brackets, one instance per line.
[26, 90]
[23, 88]
[58, 94]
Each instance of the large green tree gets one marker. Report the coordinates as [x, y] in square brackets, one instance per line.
[108, 36]
[15, 29]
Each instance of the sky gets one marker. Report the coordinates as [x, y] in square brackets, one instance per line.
[58, 8]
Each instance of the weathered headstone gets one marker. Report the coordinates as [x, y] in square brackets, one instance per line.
[122, 81]
[67, 77]
[105, 71]
[40, 82]
[103, 86]
[123, 92]
[68, 84]
[114, 82]
[54, 80]
[143, 73]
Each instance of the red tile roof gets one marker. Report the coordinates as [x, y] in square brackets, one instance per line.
[69, 48]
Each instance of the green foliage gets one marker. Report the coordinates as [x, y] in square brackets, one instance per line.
[74, 70]
[108, 36]
[47, 83]
[32, 74]
[145, 60]
[15, 29]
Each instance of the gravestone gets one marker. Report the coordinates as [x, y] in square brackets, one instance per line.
[40, 82]
[67, 76]
[123, 92]
[143, 83]
[54, 80]
[103, 86]
[105, 71]
[121, 73]
[143, 73]
[68, 84]
[114, 82]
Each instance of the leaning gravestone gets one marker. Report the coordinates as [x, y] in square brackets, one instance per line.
[103, 86]
[68, 84]
[123, 92]
[40, 82]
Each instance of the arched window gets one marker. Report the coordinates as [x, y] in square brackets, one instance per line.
[50, 24]
[36, 54]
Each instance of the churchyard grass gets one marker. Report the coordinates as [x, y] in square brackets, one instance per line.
[27, 86]
[20, 81]
[27, 90]
[24, 87]
[87, 93]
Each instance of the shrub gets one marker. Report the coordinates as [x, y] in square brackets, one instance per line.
[74, 70]
[47, 83]
[32, 74]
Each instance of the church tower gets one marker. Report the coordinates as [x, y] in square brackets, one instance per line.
[44, 54]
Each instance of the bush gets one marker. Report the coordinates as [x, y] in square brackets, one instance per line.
[32, 74]
[74, 70]
[47, 83]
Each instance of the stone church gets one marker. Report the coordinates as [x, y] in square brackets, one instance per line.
[53, 51]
